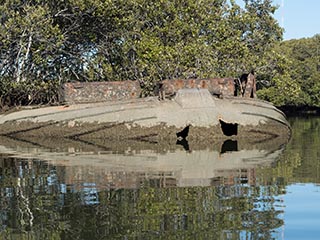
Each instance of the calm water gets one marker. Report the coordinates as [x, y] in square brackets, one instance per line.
[105, 190]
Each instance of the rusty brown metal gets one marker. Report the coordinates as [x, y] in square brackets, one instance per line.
[86, 92]
[250, 86]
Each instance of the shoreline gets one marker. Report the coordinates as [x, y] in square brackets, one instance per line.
[296, 111]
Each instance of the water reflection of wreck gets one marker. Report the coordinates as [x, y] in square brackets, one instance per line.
[230, 162]
[203, 168]
[168, 191]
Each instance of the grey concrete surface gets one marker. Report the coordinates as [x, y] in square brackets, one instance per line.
[195, 107]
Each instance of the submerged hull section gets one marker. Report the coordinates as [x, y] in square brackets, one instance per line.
[192, 111]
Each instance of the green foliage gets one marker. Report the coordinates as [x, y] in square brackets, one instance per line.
[28, 92]
[283, 92]
[146, 40]
[297, 78]
[306, 65]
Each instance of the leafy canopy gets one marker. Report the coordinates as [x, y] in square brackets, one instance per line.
[100, 40]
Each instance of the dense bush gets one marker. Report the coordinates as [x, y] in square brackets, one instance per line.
[46, 43]
[27, 93]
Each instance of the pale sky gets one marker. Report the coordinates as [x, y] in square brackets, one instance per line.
[299, 18]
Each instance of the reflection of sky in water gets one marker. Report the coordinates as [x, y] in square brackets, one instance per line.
[265, 202]
[302, 212]
[90, 194]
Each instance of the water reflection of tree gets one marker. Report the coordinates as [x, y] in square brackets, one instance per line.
[150, 213]
[306, 142]
[36, 204]
[26, 199]
[300, 160]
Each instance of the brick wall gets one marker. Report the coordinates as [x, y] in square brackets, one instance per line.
[85, 92]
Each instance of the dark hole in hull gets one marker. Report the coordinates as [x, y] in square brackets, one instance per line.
[184, 143]
[229, 146]
[229, 129]
[184, 133]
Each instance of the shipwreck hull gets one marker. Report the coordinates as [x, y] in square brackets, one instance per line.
[204, 116]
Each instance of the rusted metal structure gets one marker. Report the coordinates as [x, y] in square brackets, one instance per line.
[90, 92]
